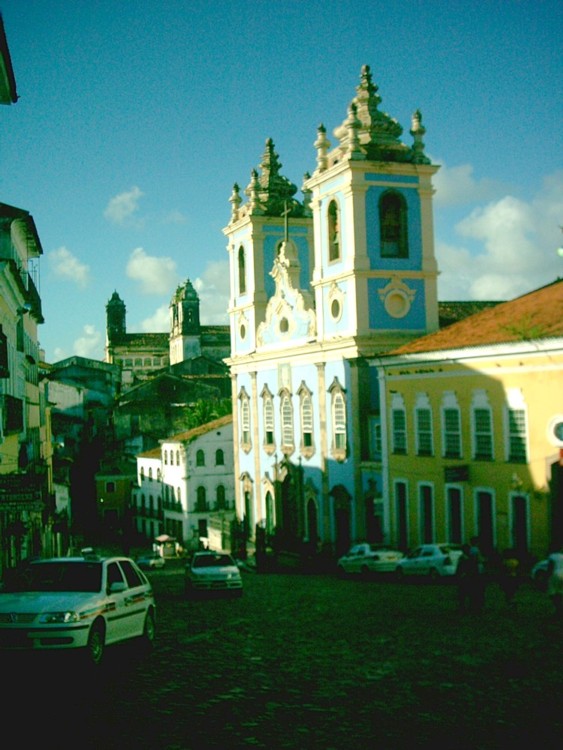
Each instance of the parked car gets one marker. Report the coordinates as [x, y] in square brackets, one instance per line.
[150, 560]
[432, 560]
[539, 574]
[366, 558]
[84, 603]
[212, 572]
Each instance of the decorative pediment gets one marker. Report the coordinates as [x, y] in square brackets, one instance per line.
[289, 313]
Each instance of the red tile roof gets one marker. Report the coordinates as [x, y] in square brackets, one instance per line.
[535, 315]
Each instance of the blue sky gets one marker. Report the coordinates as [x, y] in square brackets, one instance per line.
[136, 117]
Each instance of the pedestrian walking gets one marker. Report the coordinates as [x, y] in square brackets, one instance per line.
[476, 573]
[555, 580]
[463, 580]
[509, 575]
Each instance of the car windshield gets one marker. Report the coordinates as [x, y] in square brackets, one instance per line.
[59, 576]
[212, 561]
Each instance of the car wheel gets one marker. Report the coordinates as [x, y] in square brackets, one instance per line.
[341, 572]
[146, 641]
[434, 575]
[399, 574]
[95, 647]
[149, 630]
[365, 571]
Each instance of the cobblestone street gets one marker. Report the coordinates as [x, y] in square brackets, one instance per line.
[307, 661]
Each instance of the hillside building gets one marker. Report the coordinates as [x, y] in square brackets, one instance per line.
[142, 355]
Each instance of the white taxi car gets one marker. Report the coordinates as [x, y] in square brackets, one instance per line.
[366, 558]
[212, 572]
[432, 560]
[85, 602]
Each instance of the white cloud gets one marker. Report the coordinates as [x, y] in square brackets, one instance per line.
[122, 208]
[213, 290]
[509, 247]
[156, 275]
[457, 186]
[159, 322]
[59, 354]
[174, 217]
[66, 266]
[90, 344]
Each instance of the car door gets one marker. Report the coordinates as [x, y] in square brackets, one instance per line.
[426, 559]
[116, 609]
[412, 561]
[137, 598]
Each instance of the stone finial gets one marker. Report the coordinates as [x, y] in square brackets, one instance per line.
[235, 200]
[252, 191]
[417, 131]
[322, 144]
[353, 125]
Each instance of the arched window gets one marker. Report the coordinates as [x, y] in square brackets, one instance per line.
[306, 414]
[338, 413]
[333, 215]
[241, 271]
[268, 416]
[200, 458]
[244, 419]
[286, 415]
[393, 225]
[177, 458]
[201, 502]
[150, 473]
[219, 457]
[220, 497]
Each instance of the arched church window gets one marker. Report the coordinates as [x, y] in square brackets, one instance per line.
[333, 216]
[393, 225]
[286, 416]
[306, 414]
[339, 421]
[244, 420]
[241, 271]
[268, 415]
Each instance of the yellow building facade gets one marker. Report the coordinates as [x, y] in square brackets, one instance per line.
[473, 440]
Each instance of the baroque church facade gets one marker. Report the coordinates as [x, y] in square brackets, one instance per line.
[320, 287]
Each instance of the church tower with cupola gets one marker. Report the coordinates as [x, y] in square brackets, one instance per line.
[375, 275]
[115, 317]
[255, 234]
[185, 328]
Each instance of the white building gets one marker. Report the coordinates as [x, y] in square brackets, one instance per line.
[186, 487]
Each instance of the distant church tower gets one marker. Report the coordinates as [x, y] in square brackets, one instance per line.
[115, 323]
[185, 328]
